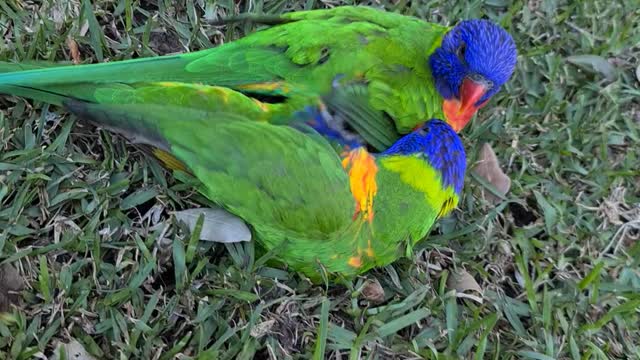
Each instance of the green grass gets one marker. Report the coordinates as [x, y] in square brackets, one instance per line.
[84, 216]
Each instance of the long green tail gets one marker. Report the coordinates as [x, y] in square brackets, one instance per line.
[145, 68]
[39, 95]
[55, 84]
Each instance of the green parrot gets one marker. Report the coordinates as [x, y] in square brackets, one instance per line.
[317, 209]
[379, 74]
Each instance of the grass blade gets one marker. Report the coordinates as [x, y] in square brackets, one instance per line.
[323, 328]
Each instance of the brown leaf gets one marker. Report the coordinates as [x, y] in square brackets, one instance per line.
[10, 285]
[463, 283]
[73, 49]
[373, 291]
[489, 169]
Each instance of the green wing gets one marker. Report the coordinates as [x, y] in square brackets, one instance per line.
[274, 177]
[195, 96]
[351, 104]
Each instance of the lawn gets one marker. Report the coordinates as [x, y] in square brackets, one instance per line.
[549, 272]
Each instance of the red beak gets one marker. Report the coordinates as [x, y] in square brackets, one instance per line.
[459, 112]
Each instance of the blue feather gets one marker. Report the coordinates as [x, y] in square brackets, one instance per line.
[320, 121]
[440, 146]
[477, 49]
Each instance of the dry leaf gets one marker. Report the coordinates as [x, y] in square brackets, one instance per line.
[463, 283]
[10, 285]
[489, 169]
[261, 329]
[219, 225]
[73, 350]
[73, 49]
[373, 291]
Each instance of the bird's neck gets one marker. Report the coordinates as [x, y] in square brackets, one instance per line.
[418, 174]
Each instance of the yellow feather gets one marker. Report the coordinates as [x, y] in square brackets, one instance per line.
[264, 107]
[169, 161]
[417, 174]
[168, 83]
[266, 86]
[448, 205]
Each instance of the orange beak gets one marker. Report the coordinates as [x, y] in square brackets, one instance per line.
[459, 112]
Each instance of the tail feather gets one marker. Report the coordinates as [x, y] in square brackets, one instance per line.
[79, 82]
[120, 71]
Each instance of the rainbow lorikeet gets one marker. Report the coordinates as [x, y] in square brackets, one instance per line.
[393, 72]
[316, 208]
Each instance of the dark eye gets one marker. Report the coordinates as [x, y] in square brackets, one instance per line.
[460, 52]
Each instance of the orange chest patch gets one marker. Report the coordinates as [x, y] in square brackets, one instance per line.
[362, 170]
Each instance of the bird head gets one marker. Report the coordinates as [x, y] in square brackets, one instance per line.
[475, 59]
[439, 145]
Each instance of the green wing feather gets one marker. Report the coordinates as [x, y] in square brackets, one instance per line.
[274, 177]
[201, 97]
[351, 103]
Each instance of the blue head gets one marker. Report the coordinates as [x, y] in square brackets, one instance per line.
[440, 146]
[473, 62]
